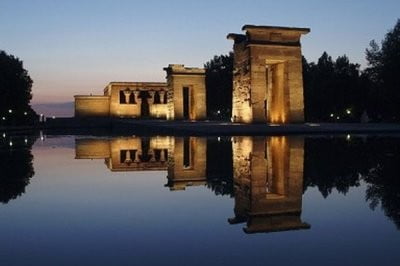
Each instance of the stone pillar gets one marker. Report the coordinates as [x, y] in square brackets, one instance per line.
[152, 93]
[162, 94]
[137, 99]
[137, 159]
[162, 155]
[128, 158]
[127, 94]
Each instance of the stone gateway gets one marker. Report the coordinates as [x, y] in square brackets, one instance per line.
[267, 75]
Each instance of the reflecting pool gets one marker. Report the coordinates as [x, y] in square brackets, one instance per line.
[164, 200]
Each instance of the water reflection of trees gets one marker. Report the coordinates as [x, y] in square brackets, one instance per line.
[342, 163]
[16, 167]
[219, 166]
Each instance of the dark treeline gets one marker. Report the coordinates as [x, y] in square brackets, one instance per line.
[15, 92]
[334, 90]
[219, 74]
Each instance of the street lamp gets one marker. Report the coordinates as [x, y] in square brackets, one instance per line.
[348, 111]
[25, 113]
[10, 111]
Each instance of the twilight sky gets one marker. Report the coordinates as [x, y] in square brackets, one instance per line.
[77, 47]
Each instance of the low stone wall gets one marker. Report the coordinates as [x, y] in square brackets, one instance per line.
[92, 106]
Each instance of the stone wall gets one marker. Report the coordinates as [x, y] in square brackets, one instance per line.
[92, 106]
[179, 77]
[132, 90]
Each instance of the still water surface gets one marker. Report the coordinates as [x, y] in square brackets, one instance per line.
[74, 200]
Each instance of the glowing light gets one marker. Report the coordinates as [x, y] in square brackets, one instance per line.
[26, 140]
[55, 117]
[338, 117]
[25, 113]
[10, 111]
[219, 138]
[348, 137]
[218, 112]
[4, 135]
[11, 143]
[332, 115]
[348, 111]
[3, 118]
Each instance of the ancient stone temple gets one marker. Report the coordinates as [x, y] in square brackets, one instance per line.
[267, 78]
[182, 97]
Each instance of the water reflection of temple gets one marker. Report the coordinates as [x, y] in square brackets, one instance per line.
[184, 158]
[267, 172]
[268, 178]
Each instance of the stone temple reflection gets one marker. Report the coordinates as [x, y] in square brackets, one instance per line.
[263, 174]
[268, 178]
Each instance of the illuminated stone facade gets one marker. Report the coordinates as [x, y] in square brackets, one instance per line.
[268, 183]
[267, 76]
[183, 97]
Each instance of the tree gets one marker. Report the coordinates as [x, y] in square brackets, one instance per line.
[219, 86]
[384, 70]
[15, 91]
[333, 90]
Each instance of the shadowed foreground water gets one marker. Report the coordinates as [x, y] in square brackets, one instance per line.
[199, 201]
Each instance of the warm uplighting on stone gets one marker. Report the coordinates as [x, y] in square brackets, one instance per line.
[267, 80]
[182, 97]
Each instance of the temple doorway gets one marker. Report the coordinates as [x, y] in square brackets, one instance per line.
[186, 103]
[144, 107]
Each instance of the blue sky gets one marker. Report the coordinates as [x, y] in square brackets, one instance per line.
[77, 47]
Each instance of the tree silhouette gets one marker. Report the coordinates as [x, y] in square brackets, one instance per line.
[16, 168]
[15, 91]
[384, 71]
[334, 91]
[219, 86]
